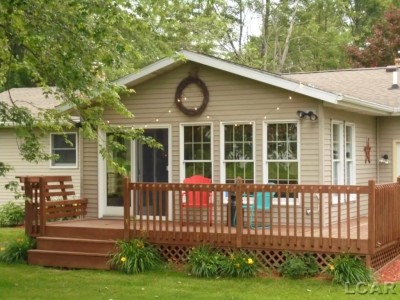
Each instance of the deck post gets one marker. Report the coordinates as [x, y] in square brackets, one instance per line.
[127, 202]
[42, 205]
[371, 217]
[29, 211]
[239, 212]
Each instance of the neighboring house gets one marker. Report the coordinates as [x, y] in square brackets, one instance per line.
[69, 161]
[225, 120]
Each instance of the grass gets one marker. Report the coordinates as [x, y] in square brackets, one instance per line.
[20, 281]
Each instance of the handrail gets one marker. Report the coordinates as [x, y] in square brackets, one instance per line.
[301, 217]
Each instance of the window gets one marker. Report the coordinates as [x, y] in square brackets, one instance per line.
[343, 161]
[120, 155]
[65, 147]
[238, 152]
[337, 153]
[197, 150]
[282, 156]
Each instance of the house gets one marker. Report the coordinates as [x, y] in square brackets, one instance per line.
[69, 162]
[323, 148]
[225, 120]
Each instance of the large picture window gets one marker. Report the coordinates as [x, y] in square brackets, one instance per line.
[197, 150]
[282, 156]
[65, 147]
[238, 152]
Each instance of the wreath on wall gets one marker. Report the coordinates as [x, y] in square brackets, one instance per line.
[179, 93]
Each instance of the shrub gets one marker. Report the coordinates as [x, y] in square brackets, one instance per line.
[349, 269]
[11, 214]
[17, 251]
[203, 261]
[135, 256]
[239, 264]
[298, 266]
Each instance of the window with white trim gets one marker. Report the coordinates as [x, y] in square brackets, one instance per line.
[282, 157]
[343, 160]
[65, 147]
[197, 150]
[238, 152]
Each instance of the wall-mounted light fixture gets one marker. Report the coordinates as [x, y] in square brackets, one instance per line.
[385, 159]
[307, 114]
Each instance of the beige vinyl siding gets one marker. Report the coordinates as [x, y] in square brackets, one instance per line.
[232, 99]
[389, 133]
[9, 154]
[89, 176]
[365, 128]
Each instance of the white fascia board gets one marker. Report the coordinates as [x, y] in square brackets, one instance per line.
[369, 107]
[260, 76]
[146, 71]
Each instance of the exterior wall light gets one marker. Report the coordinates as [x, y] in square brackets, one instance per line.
[384, 159]
[307, 115]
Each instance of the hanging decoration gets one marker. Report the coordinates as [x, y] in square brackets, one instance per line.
[179, 96]
[367, 151]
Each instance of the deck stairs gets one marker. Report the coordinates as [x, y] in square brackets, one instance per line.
[74, 248]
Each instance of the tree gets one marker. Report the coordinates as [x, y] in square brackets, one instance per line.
[77, 47]
[298, 35]
[383, 46]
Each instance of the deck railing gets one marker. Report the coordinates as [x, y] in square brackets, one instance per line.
[386, 216]
[330, 218]
[49, 198]
[324, 218]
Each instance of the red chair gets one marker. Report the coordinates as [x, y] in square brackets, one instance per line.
[198, 199]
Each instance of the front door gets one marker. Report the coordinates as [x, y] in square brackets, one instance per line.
[152, 166]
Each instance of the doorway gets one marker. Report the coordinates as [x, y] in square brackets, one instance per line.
[152, 166]
[143, 164]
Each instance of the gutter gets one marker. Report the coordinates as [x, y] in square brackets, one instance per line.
[374, 108]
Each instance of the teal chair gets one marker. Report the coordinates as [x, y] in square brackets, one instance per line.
[260, 203]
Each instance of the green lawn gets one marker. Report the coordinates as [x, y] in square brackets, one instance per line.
[32, 282]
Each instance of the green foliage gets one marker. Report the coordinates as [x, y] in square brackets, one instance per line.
[348, 269]
[205, 261]
[135, 256]
[11, 214]
[297, 266]
[239, 264]
[17, 250]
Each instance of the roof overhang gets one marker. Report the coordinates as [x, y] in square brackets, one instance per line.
[166, 64]
[366, 107]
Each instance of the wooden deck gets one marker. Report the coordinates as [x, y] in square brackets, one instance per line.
[323, 220]
[118, 224]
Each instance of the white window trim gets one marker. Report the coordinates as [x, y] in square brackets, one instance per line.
[340, 179]
[275, 200]
[182, 149]
[343, 160]
[222, 146]
[353, 151]
[67, 166]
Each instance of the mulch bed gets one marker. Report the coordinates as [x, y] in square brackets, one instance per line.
[390, 272]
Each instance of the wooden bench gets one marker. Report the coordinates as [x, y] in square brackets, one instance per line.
[50, 198]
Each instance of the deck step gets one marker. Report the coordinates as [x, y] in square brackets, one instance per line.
[75, 245]
[66, 259]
